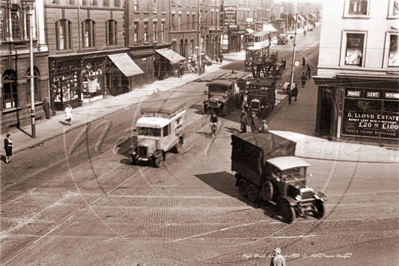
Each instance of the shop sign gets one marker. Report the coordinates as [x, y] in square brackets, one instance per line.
[365, 118]
[373, 94]
[230, 15]
[392, 95]
[351, 93]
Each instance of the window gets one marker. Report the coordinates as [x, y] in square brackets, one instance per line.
[212, 19]
[2, 36]
[356, 8]
[155, 31]
[63, 32]
[187, 24]
[10, 93]
[136, 5]
[173, 22]
[179, 22]
[193, 26]
[88, 31]
[166, 130]
[111, 28]
[16, 22]
[393, 9]
[146, 31]
[117, 3]
[136, 31]
[162, 31]
[393, 50]
[354, 49]
[28, 93]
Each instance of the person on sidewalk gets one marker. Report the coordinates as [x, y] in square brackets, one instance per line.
[243, 121]
[181, 70]
[277, 259]
[8, 147]
[68, 115]
[304, 33]
[254, 123]
[303, 79]
[293, 93]
[303, 62]
[264, 128]
[308, 70]
[221, 58]
[46, 108]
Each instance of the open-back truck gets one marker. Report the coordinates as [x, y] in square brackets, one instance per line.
[260, 97]
[159, 130]
[267, 169]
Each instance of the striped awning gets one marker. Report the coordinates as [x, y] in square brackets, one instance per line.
[171, 55]
[125, 64]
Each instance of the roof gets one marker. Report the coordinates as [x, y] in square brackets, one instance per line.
[223, 82]
[171, 55]
[270, 27]
[261, 33]
[125, 64]
[167, 106]
[287, 162]
[152, 122]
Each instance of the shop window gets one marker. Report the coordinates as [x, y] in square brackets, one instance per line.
[10, 93]
[155, 31]
[393, 9]
[136, 32]
[391, 106]
[88, 31]
[35, 85]
[63, 32]
[111, 28]
[393, 51]
[16, 22]
[357, 8]
[146, 31]
[354, 53]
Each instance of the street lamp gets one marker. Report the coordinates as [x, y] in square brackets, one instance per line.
[293, 54]
[32, 74]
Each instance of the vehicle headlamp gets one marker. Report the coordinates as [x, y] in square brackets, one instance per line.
[298, 197]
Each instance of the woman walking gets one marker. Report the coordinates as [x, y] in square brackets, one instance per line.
[68, 115]
[8, 147]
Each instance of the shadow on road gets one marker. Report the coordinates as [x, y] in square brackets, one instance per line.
[225, 183]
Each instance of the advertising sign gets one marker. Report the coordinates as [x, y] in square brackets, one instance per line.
[368, 117]
[230, 15]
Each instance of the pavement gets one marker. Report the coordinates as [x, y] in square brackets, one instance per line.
[295, 121]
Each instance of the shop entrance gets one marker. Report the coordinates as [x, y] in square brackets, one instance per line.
[326, 111]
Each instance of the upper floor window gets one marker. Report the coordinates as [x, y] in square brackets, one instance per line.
[193, 23]
[16, 22]
[354, 53]
[392, 49]
[88, 31]
[162, 31]
[393, 9]
[2, 35]
[173, 23]
[146, 31]
[111, 28]
[136, 31]
[63, 34]
[356, 8]
[155, 31]
[136, 5]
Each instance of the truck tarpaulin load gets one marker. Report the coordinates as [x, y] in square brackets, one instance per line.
[267, 170]
[260, 97]
[159, 130]
[225, 94]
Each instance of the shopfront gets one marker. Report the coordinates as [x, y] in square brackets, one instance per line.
[360, 109]
[168, 62]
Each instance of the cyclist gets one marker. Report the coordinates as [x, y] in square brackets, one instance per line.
[214, 121]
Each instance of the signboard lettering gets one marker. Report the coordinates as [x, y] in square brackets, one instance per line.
[353, 93]
[392, 95]
[230, 15]
[373, 94]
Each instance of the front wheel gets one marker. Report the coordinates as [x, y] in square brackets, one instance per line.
[252, 193]
[242, 188]
[319, 212]
[179, 146]
[286, 211]
[158, 159]
[204, 108]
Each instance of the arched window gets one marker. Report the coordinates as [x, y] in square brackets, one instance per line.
[10, 92]
[36, 74]
[16, 22]
[88, 32]
[111, 29]
[63, 32]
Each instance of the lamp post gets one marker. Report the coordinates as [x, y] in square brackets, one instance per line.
[199, 39]
[293, 53]
[32, 74]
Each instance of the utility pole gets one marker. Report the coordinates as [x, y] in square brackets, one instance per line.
[32, 74]
[293, 54]
[199, 39]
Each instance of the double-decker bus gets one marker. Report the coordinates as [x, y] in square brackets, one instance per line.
[256, 46]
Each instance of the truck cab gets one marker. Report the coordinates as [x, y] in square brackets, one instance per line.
[159, 130]
[261, 97]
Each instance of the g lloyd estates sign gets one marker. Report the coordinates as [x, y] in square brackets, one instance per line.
[370, 117]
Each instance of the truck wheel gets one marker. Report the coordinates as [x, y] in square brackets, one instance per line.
[286, 211]
[242, 189]
[133, 158]
[204, 108]
[267, 191]
[158, 159]
[319, 212]
[252, 193]
[179, 146]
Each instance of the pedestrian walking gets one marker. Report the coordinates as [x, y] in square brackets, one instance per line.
[303, 62]
[303, 79]
[277, 259]
[181, 70]
[221, 58]
[243, 121]
[308, 70]
[8, 145]
[46, 108]
[254, 123]
[304, 33]
[264, 128]
[68, 115]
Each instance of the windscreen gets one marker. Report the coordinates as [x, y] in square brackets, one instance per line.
[148, 131]
[218, 88]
